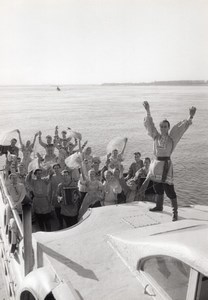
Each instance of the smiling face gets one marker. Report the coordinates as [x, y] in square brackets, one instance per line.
[164, 127]
[108, 175]
[49, 139]
[56, 168]
[38, 174]
[137, 157]
[63, 134]
[66, 176]
[146, 162]
[92, 174]
[115, 153]
[13, 142]
[13, 178]
[88, 151]
[28, 143]
[116, 172]
[96, 164]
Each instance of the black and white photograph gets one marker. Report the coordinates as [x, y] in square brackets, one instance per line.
[103, 149]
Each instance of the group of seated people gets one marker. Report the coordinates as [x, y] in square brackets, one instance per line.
[66, 185]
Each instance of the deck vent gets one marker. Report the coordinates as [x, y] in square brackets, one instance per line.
[140, 220]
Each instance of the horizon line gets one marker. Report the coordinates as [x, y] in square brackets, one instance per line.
[200, 81]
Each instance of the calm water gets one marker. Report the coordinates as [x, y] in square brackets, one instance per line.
[102, 113]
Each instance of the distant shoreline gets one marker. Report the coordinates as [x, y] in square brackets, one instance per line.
[166, 83]
[153, 83]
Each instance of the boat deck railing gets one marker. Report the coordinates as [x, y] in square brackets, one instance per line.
[24, 227]
[7, 200]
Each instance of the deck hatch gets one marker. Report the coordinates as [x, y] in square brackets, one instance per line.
[140, 220]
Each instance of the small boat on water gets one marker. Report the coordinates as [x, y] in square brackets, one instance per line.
[115, 252]
[58, 88]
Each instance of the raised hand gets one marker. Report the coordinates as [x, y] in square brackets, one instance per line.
[146, 106]
[192, 111]
[108, 155]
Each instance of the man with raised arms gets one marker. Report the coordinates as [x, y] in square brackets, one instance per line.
[161, 168]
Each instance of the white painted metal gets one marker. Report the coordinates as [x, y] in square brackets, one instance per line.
[99, 257]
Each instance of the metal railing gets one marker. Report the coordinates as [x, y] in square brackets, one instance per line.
[24, 227]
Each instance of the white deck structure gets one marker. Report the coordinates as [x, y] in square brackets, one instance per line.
[101, 256]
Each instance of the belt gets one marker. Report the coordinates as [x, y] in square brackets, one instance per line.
[165, 167]
[163, 158]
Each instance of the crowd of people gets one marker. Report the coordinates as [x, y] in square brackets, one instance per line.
[66, 184]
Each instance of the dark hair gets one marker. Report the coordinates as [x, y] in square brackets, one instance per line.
[135, 153]
[56, 165]
[36, 170]
[147, 158]
[65, 171]
[165, 121]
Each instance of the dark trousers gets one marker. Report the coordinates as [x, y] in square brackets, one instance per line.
[44, 221]
[121, 197]
[59, 217]
[70, 221]
[160, 188]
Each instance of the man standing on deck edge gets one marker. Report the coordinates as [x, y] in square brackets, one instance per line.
[161, 168]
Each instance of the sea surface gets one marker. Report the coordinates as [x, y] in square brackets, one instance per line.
[102, 113]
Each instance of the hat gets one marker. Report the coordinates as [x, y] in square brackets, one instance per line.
[64, 131]
[48, 136]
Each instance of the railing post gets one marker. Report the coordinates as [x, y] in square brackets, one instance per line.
[27, 238]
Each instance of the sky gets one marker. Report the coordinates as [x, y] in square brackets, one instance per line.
[97, 41]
